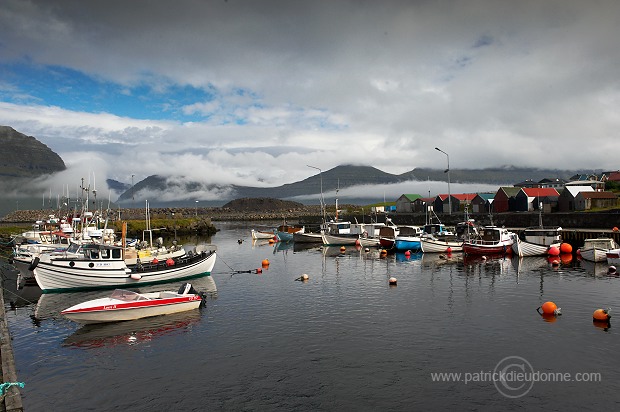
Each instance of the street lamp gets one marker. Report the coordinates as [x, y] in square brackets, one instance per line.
[448, 172]
[196, 208]
[322, 201]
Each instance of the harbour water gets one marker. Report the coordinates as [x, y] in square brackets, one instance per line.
[345, 339]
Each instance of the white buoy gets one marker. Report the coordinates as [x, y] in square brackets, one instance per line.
[304, 277]
[392, 281]
[136, 276]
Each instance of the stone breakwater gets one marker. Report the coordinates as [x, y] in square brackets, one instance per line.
[215, 214]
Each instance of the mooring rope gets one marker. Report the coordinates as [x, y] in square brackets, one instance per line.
[6, 385]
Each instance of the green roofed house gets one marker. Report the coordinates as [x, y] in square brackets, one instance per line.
[482, 202]
[404, 204]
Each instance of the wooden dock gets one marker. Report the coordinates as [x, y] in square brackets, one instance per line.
[12, 400]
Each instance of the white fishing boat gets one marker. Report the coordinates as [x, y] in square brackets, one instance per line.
[307, 237]
[536, 241]
[338, 232]
[123, 305]
[430, 244]
[257, 234]
[103, 266]
[595, 250]
[613, 257]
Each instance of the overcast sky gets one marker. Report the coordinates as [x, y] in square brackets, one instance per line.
[250, 92]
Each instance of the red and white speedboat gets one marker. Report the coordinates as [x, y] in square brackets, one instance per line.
[492, 241]
[124, 305]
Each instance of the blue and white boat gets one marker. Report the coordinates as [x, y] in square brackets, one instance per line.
[408, 238]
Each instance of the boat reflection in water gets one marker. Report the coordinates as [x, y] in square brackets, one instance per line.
[135, 332]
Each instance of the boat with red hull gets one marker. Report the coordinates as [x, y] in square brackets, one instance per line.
[493, 240]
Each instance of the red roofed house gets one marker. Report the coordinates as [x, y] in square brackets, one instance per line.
[462, 200]
[528, 198]
[614, 176]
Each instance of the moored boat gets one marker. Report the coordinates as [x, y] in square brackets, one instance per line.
[103, 266]
[536, 241]
[408, 238]
[284, 233]
[307, 237]
[387, 236]
[123, 305]
[493, 240]
[257, 234]
[613, 257]
[595, 250]
[430, 244]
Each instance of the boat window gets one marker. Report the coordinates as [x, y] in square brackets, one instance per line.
[73, 248]
[105, 253]
[116, 253]
[94, 254]
[125, 295]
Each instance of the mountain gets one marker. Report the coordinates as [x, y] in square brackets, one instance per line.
[29, 157]
[338, 177]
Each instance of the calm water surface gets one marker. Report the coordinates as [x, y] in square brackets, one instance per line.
[343, 340]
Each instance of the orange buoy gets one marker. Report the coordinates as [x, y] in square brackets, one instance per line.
[265, 262]
[615, 229]
[357, 242]
[566, 248]
[155, 261]
[553, 251]
[578, 252]
[392, 281]
[259, 270]
[169, 262]
[271, 241]
[342, 249]
[566, 258]
[383, 252]
[449, 250]
[550, 308]
[601, 315]
[407, 253]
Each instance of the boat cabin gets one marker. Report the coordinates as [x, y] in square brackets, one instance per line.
[102, 252]
[542, 236]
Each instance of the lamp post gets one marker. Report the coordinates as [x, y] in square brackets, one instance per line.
[448, 172]
[132, 192]
[196, 210]
[321, 179]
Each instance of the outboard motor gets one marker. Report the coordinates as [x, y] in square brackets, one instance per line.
[187, 289]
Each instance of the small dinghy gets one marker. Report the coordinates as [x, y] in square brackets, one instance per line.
[124, 305]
